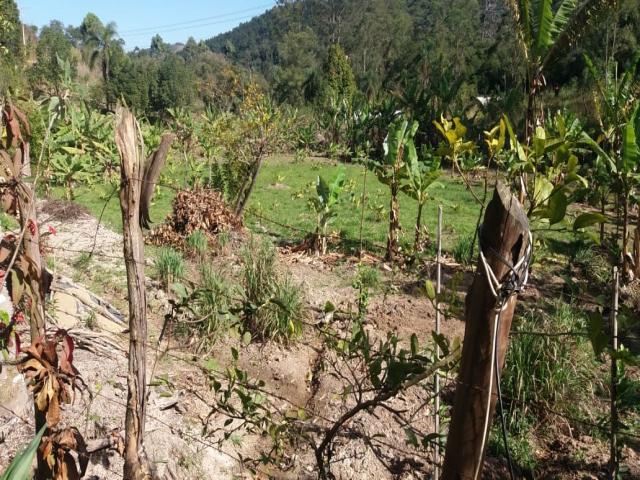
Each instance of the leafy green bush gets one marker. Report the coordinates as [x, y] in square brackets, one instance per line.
[170, 266]
[462, 250]
[273, 302]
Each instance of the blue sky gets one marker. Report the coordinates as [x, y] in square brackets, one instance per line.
[139, 20]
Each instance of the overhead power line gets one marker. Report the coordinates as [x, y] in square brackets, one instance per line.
[188, 28]
[192, 23]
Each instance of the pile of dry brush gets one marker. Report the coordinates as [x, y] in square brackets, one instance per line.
[199, 209]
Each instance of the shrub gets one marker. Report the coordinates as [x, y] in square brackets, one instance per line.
[198, 243]
[170, 266]
[462, 250]
[273, 302]
[367, 278]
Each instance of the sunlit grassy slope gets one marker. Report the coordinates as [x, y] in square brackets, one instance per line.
[281, 195]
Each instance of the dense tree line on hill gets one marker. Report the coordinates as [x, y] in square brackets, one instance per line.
[425, 56]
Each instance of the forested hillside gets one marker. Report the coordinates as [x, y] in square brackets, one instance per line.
[466, 44]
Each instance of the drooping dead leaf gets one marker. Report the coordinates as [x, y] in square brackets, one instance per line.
[57, 449]
[51, 377]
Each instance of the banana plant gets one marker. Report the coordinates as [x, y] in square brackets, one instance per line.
[71, 168]
[20, 467]
[546, 30]
[421, 178]
[323, 204]
[390, 170]
[624, 169]
[615, 97]
[616, 108]
[454, 133]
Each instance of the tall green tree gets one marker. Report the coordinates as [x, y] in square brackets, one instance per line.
[54, 47]
[298, 54]
[158, 46]
[173, 84]
[99, 42]
[10, 30]
[10, 46]
[339, 79]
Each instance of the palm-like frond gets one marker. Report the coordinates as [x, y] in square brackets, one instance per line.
[545, 34]
[573, 21]
[543, 27]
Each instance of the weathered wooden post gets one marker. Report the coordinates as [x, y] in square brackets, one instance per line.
[136, 464]
[613, 459]
[505, 249]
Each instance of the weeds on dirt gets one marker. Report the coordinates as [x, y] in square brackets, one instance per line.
[367, 278]
[594, 264]
[211, 306]
[274, 306]
[521, 445]
[370, 372]
[83, 261]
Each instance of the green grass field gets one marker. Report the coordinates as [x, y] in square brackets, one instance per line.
[281, 195]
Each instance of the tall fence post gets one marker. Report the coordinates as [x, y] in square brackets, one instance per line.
[436, 474]
[136, 464]
[504, 241]
[613, 461]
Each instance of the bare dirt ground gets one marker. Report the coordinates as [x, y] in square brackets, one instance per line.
[174, 440]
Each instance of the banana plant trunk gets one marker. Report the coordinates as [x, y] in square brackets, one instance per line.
[636, 245]
[38, 285]
[416, 242]
[394, 223]
[603, 211]
[625, 233]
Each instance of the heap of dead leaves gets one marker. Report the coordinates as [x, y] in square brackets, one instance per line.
[199, 209]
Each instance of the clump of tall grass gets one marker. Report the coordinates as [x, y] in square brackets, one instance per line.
[462, 249]
[274, 306]
[170, 266]
[594, 263]
[210, 308]
[549, 363]
[367, 279]
[198, 243]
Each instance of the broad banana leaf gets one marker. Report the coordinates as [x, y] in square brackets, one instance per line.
[20, 467]
[630, 147]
